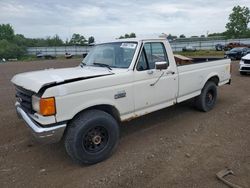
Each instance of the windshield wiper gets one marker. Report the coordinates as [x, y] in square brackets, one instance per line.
[103, 65]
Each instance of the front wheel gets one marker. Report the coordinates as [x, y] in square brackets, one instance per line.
[207, 99]
[91, 137]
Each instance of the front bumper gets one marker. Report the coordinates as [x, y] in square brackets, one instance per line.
[42, 134]
[244, 68]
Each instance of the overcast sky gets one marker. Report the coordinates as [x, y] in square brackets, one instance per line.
[106, 19]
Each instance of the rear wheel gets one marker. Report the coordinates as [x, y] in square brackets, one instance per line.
[91, 137]
[207, 99]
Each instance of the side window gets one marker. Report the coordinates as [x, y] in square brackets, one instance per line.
[155, 52]
[142, 63]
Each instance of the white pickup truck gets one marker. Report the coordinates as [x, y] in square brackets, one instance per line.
[116, 82]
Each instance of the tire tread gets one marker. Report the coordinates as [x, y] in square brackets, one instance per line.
[75, 125]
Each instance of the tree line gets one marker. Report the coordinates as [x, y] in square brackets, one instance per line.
[7, 33]
[14, 45]
[237, 26]
[131, 35]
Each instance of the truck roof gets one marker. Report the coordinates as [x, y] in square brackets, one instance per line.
[134, 40]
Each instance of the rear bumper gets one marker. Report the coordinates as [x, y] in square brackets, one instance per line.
[42, 134]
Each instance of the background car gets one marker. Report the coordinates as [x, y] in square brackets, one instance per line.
[68, 55]
[2, 60]
[219, 47]
[232, 45]
[188, 48]
[237, 53]
[45, 56]
[245, 64]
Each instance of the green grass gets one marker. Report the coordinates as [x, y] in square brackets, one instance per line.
[202, 53]
[28, 58]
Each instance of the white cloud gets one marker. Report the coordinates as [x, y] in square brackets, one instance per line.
[109, 19]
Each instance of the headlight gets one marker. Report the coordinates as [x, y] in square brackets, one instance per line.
[44, 106]
[241, 62]
[35, 103]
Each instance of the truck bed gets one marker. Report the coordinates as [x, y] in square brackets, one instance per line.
[193, 75]
[183, 60]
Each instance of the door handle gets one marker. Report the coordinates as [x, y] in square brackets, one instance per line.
[150, 71]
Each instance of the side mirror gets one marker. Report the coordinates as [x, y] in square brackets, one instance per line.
[161, 65]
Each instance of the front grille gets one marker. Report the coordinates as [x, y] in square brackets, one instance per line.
[245, 68]
[246, 61]
[24, 97]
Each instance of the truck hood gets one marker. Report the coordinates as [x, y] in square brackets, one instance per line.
[35, 80]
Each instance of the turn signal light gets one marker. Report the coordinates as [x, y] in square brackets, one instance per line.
[47, 106]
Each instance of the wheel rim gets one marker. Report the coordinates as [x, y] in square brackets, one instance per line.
[95, 139]
[209, 97]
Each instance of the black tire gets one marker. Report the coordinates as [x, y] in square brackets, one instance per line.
[91, 137]
[207, 99]
[243, 73]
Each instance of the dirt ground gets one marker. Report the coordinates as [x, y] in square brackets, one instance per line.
[175, 147]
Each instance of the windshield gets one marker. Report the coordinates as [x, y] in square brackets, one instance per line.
[112, 55]
[237, 49]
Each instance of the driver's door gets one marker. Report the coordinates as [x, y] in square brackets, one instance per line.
[153, 89]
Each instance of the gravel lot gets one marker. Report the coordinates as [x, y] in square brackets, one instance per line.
[174, 147]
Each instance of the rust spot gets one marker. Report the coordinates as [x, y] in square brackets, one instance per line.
[131, 118]
[135, 116]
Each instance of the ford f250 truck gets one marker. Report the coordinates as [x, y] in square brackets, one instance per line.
[116, 82]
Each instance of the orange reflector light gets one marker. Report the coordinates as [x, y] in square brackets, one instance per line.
[47, 106]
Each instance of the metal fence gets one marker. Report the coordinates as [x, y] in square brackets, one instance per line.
[59, 50]
[204, 45]
[176, 46]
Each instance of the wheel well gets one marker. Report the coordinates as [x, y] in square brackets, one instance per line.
[214, 79]
[107, 108]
